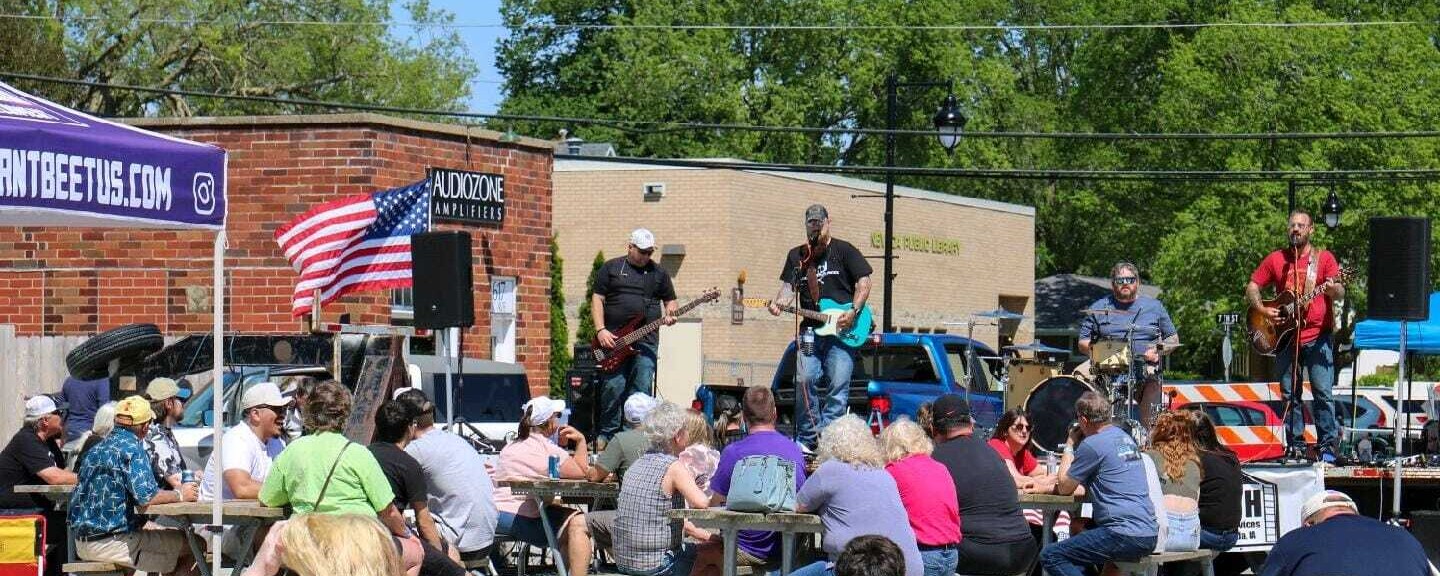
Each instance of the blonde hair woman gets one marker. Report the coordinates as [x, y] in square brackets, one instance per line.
[928, 493]
[854, 496]
[698, 455]
[337, 545]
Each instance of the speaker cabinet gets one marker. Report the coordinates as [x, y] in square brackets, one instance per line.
[444, 285]
[1399, 284]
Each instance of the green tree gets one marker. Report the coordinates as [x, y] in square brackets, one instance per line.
[587, 329]
[560, 359]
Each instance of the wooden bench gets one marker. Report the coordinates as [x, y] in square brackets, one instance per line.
[94, 568]
[1149, 565]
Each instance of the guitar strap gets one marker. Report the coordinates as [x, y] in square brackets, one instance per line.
[1310, 271]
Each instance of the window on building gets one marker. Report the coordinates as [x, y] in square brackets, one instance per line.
[402, 306]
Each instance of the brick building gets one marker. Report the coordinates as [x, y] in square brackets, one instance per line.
[83, 281]
[955, 255]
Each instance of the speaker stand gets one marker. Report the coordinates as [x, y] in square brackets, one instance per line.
[1401, 417]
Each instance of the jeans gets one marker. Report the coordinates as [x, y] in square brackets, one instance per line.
[940, 562]
[831, 365]
[1183, 531]
[674, 564]
[634, 375]
[1318, 358]
[821, 568]
[1218, 541]
[1093, 546]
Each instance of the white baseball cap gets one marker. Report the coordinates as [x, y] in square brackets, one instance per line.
[642, 239]
[1325, 499]
[638, 406]
[542, 408]
[264, 394]
[40, 405]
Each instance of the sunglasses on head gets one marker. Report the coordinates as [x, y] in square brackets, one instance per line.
[1124, 280]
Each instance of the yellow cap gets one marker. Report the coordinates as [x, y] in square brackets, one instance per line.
[133, 411]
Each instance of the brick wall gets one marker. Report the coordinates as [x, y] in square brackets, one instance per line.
[81, 281]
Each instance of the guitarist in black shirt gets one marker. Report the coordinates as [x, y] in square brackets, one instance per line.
[627, 288]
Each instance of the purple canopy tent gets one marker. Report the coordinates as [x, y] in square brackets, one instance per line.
[60, 167]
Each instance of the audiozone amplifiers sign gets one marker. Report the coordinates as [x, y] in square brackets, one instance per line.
[464, 196]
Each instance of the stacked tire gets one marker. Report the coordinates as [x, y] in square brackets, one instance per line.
[91, 359]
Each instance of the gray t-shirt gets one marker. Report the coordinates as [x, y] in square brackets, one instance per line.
[854, 501]
[460, 489]
[1108, 464]
[623, 451]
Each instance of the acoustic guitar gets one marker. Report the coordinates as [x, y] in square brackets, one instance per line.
[1266, 337]
[610, 359]
[829, 315]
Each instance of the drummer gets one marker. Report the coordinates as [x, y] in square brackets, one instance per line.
[1112, 317]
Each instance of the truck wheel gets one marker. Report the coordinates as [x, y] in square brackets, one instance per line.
[91, 359]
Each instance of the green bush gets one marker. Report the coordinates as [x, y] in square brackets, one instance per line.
[1377, 380]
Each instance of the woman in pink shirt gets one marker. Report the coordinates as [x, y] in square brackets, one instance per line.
[928, 494]
[528, 458]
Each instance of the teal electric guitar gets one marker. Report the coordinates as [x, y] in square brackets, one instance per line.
[829, 314]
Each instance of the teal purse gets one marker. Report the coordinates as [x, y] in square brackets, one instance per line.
[762, 484]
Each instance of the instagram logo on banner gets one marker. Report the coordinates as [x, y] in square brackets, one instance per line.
[204, 190]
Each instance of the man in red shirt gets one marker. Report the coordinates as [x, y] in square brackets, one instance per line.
[1292, 269]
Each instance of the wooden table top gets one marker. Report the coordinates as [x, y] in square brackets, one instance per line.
[777, 521]
[561, 487]
[1028, 498]
[44, 488]
[232, 508]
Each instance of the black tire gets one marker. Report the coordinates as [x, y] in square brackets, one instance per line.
[91, 359]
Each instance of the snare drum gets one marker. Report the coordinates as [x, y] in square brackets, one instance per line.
[1110, 356]
[1023, 376]
[1051, 409]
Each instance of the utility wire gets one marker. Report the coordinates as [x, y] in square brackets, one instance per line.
[646, 127]
[756, 27]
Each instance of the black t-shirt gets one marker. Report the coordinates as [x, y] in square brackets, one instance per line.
[632, 291]
[1220, 491]
[20, 463]
[989, 502]
[837, 270]
[403, 471]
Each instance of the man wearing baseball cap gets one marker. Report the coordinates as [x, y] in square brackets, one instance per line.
[33, 457]
[1336, 540]
[628, 288]
[115, 478]
[830, 271]
[167, 401]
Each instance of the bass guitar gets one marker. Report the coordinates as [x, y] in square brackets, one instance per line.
[1265, 336]
[610, 359]
[829, 315]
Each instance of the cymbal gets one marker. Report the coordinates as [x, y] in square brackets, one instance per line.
[1000, 314]
[1106, 312]
[1037, 348]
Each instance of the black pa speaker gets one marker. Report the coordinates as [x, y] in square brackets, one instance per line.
[444, 285]
[1399, 285]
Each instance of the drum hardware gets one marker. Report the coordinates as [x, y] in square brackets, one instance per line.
[1037, 348]
[994, 318]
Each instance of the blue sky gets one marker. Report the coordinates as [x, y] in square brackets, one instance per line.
[485, 89]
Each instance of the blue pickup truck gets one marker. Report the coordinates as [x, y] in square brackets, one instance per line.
[894, 374]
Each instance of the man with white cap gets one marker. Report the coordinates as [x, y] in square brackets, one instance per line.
[1337, 541]
[167, 401]
[628, 288]
[33, 457]
[249, 448]
[623, 450]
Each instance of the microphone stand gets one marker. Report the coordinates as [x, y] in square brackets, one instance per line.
[802, 393]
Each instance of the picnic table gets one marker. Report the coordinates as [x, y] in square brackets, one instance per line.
[729, 523]
[240, 513]
[1050, 507]
[59, 494]
[547, 490]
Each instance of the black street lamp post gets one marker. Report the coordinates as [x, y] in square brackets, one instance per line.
[949, 126]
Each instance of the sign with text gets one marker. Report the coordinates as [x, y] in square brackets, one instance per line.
[502, 295]
[1270, 502]
[1227, 318]
[464, 196]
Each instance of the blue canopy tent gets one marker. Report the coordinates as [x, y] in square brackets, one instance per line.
[64, 168]
[1420, 337]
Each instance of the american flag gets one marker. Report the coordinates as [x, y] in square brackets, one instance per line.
[354, 244]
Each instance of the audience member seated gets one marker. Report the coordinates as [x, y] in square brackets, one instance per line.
[99, 429]
[324, 472]
[249, 449]
[647, 543]
[1172, 448]
[619, 454]
[928, 494]
[1106, 461]
[338, 545]
[854, 496]
[870, 555]
[461, 495]
[394, 429]
[1221, 485]
[995, 538]
[1335, 539]
[118, 471]
[699, 455]
[528, 458]
[753, 547]
[167, 401]
[33, 457]
[1011, 440]
[298, 389]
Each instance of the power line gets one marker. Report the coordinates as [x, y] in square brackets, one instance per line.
[746, 27]
[648, 127]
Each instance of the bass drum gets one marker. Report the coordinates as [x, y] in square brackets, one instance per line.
[1051, 410]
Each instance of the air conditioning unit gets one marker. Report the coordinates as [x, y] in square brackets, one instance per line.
[654, 191]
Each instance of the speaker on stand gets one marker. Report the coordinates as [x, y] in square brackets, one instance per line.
[444, 291]
[1399, 289]
[582, 392]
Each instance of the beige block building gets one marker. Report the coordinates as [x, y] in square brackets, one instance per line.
[954, 255]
